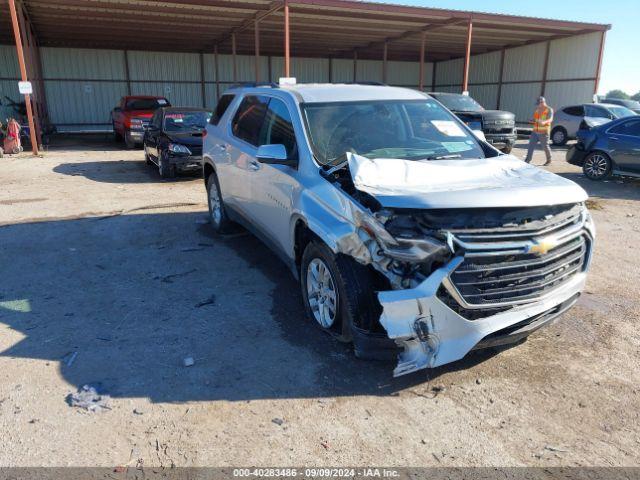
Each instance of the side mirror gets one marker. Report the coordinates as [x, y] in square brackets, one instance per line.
[274, 155]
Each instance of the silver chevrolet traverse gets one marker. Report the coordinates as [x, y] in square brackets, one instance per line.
[410, 236]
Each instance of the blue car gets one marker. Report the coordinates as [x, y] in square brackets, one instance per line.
[610, 149]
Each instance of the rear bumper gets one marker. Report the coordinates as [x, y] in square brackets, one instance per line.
[575, 156]
[134, 136]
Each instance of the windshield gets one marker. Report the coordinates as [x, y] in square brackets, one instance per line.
[459, 103]
[621, 112]
[186, 121]
[411, 130]
[147, 103]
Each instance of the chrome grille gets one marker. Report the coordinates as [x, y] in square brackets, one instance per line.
[503, 267]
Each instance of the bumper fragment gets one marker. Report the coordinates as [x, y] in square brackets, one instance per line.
[431, 334]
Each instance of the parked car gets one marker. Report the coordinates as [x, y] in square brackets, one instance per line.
[132, 115]
[409, 235]
[630, 104]
[568, 120]
[611, 149]
[173, 139]
[498, 127]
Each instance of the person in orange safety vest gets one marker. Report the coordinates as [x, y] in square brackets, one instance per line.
[542, 120]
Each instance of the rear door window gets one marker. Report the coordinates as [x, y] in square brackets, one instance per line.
[277, 128]
[221, 108]
[631, 128]
[577, 111]
[247, 122]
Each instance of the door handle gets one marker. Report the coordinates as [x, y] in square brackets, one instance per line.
[222, 147]
[253, 165]
[614, 138]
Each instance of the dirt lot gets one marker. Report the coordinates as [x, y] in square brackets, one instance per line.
[111, 277]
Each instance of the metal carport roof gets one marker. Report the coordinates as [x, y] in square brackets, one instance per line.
[327, 28]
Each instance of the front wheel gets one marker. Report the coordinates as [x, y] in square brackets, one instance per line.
[507, 149]
[217, 213]
[165, 167]
[597, 166]
[337, 291]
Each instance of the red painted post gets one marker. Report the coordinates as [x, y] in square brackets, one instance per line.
[287, 41]
[467, 58]
[257, 42]
[422, 48]
[23, 74]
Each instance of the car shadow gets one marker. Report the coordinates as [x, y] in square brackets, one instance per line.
[122, 301]
[122, 171]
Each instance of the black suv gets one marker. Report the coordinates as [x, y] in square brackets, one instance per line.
[499, 127]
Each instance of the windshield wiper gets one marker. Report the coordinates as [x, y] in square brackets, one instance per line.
[443, 157]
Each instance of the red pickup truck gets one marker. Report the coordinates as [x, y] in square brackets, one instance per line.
[132, 115]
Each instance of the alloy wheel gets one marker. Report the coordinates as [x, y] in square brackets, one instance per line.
[596, 166]
[215, 206]
[322, 294]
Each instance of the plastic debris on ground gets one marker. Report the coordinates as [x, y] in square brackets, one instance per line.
[88, 398]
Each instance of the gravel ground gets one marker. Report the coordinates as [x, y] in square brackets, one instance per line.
[111, 277]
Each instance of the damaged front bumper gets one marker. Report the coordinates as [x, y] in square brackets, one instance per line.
[432, 334]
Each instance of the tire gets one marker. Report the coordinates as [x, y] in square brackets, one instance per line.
[166, 169]
[353, 300]
[116, 136]
[147, 159]
[128, 144]
[217, 213]
[559, 136]
[507, 149]
[597, 166]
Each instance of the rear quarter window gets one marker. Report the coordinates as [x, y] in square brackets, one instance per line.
[247, 122]
[221, 108]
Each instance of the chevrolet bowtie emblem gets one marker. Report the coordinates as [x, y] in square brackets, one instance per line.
[543, 246]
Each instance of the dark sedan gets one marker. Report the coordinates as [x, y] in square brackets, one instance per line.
[173, 139]
[610, 149]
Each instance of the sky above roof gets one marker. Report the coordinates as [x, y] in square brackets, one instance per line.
[621, 64]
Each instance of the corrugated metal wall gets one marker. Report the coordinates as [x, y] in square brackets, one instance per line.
[9, 73]
[82, 85]
[570, 75]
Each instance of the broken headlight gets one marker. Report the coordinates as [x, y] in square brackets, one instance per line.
[404, 245]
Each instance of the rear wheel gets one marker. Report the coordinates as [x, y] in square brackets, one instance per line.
[337, 291]
[597, 166]
[116, 136]
[166, 169]
[559, 136]
[128, 143]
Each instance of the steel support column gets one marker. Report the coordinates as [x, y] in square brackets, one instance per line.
[423, 39]
[126, 72]
[355, 66]
[287, 41]
[500, 78]
[235, 60]
[385, 51]
[203, 89]
[599, 65]
[545, 69]
[467, 58]
[23, 74]
[27, 43]
[257, 49]
[216, 72]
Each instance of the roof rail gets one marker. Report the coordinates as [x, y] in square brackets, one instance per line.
[254, 85]
[371, 83]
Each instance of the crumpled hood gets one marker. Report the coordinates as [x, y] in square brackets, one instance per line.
[503, 181]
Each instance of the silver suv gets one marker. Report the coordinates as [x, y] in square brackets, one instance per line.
[568, 120]
[409, 235]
